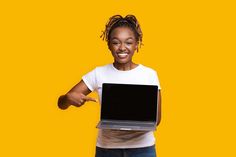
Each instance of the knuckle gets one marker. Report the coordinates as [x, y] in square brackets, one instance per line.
[81, 95]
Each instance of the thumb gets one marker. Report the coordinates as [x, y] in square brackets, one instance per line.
[90, 99]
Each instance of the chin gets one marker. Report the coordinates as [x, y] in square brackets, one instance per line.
[122, 61]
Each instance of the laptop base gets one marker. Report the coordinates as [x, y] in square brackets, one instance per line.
[127, 125]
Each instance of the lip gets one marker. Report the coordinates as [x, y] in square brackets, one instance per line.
[122, 55]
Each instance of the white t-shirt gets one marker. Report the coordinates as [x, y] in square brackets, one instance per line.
[109, 74]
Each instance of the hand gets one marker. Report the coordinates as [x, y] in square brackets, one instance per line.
[78, 99]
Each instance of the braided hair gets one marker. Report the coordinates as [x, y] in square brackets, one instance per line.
[129, 21]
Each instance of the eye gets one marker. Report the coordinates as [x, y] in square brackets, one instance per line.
[115, 43]
[129, 43]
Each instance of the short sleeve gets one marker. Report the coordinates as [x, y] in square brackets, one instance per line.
[90, 80]
[156, 80]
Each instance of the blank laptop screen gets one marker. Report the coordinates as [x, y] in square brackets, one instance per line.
[129, 102]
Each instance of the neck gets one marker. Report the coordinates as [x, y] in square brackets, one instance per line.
[125, 66]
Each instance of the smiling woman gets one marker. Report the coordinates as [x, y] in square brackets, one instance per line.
[123, 36]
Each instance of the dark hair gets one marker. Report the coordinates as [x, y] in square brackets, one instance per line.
[129, 21]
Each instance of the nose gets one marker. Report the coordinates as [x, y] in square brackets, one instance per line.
[122, 47]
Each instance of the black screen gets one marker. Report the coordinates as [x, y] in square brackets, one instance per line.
[129, 102]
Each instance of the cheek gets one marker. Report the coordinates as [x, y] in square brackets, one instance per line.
[114, 48]
[132, 47]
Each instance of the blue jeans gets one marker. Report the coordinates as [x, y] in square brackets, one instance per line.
[129, 152]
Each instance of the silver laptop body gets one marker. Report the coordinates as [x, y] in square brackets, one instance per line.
[129, 107]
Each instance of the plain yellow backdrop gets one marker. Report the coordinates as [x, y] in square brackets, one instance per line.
[46, 46]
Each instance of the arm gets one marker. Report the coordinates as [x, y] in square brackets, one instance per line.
[76, 96]
[159, 107]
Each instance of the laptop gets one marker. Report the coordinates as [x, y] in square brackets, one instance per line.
[129, 107]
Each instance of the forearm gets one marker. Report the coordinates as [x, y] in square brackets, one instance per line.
[159, 118]
[159, 108]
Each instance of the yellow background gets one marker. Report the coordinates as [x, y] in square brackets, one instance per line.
[46, 46]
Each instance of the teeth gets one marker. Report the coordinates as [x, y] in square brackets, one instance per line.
[122, 54]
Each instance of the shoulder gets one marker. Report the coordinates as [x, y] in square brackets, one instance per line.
[148, 69]
[96, 72]
[153, 76]
[103, 67]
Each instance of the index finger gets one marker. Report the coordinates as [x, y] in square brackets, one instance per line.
[90, 99]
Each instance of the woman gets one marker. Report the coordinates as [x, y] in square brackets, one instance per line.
[123, 35]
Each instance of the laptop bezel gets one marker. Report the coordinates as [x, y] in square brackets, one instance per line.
[157, 106]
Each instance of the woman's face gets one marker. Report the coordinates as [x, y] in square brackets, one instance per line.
[122, 44]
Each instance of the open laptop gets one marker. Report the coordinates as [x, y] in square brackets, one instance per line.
[129, 107]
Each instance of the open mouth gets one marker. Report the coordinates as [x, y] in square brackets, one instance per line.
[122, 55]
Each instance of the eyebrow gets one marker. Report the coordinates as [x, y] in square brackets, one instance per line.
[118, 39]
